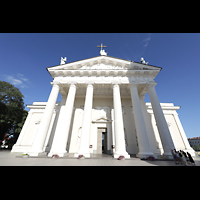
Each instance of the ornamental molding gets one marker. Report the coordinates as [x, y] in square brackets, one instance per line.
[104, 80]
[104, 89]
[102, 120]
[103, 72]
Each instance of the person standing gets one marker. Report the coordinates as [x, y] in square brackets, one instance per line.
[186, 157]
[174, 156]
[190, 158]
[179, 159]
[183, 158]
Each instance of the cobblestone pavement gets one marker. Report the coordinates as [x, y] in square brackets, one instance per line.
[14, 159]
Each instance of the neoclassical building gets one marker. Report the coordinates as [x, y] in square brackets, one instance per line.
[102, 111]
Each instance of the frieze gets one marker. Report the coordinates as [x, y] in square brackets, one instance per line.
[104, 79]
[103, 72]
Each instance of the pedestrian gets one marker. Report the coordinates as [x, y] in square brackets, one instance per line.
[184, 153]
[183, 158]
[190, 158]
[174, 156]
[186, 157]
[179, 159]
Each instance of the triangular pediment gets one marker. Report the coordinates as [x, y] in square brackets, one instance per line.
[103, 62]
[101, 120]
[102, 65]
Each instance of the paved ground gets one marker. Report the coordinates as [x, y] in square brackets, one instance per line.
[14, 159]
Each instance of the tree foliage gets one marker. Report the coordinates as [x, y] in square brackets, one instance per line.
[12, 113]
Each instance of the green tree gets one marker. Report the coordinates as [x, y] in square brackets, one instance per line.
[196, 147]
[12, 113]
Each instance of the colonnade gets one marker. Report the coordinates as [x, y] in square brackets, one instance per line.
[62, 129]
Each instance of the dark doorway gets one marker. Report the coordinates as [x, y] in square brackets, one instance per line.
[102, 141]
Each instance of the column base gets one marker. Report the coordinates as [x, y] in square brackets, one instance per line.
[144, 154]
[86, 155]
[125, 154]
[20, 148]
[60, 154]
[167, 155]
[37, 153]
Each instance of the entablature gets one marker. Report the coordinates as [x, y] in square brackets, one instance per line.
[103, 72]
[104, 79]
[104, 88]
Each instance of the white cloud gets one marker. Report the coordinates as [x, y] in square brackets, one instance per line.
[146, 40]
[21, 76]
[18, 80]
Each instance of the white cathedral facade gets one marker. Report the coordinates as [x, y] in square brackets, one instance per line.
[102, 111]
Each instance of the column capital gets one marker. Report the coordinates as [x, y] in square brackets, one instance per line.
[72, 84]
[116, 84]
[150, 85]
[90, 84]
[55, 83]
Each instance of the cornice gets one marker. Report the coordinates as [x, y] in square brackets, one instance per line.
[91, 61]
[40, 106]
[164, 106]
[104, 72]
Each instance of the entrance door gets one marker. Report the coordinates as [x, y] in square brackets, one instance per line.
[102, 140]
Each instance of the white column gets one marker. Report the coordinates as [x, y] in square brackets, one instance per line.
[62, 132]
[120, 148]
[41, 134]
[150, 132]
[87, 118]
[163, 129]
[144, 147]
[183, 135]
[113, 130]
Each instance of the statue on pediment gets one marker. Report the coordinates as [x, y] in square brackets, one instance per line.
[63, 60]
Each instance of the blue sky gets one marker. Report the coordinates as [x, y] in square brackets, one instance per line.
[24, 58]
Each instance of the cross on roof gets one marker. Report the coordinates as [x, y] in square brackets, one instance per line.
[101, 46]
